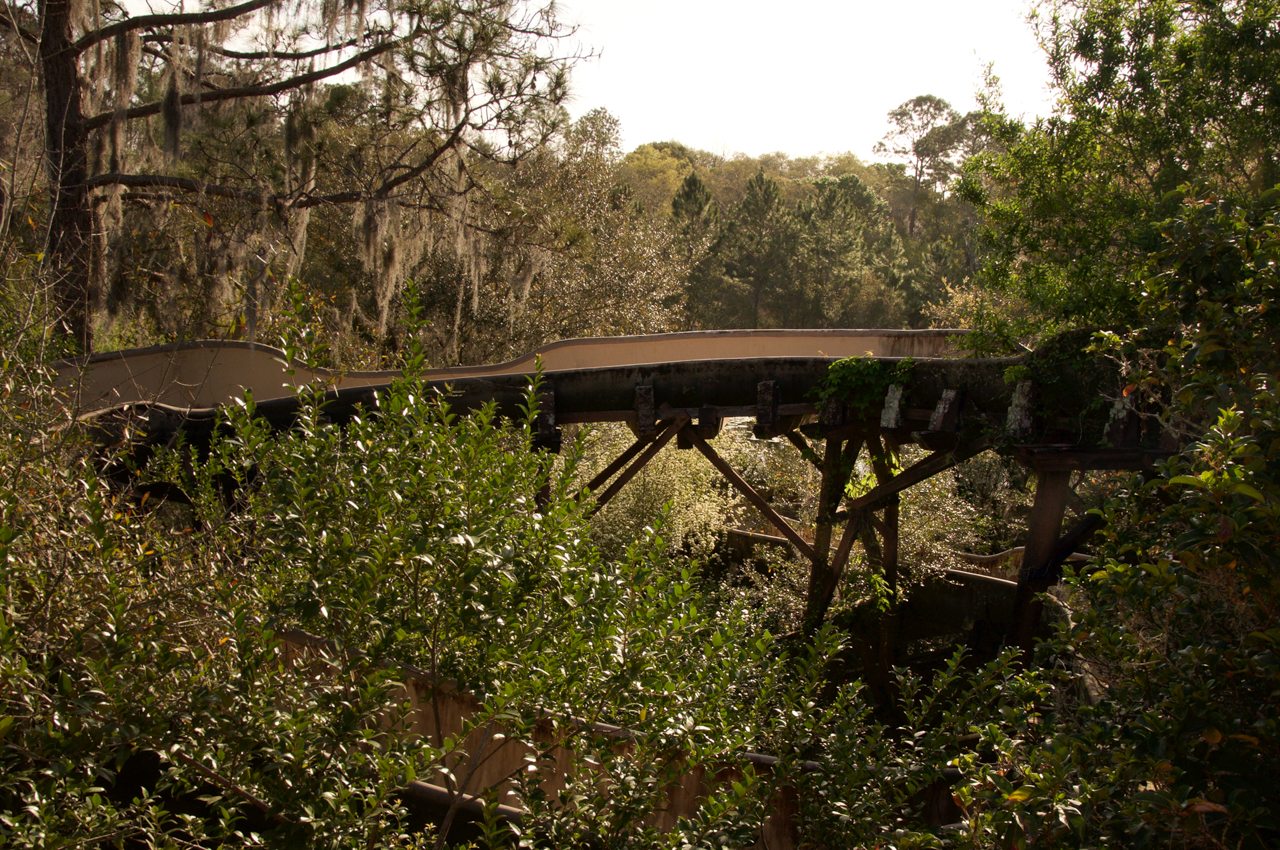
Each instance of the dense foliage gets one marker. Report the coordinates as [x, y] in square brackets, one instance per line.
[134, 629]
[217, 651]
[1181, 616]
[155, 690]
[1159, 101]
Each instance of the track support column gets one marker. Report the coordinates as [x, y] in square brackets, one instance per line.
[1045, 524]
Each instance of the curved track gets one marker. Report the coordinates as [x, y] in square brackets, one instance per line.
[204, 375]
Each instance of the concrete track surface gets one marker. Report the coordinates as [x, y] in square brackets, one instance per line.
[207, 374]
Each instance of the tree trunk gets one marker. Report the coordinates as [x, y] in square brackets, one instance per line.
[69, 243]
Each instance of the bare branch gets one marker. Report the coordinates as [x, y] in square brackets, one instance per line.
[409, 174]
[185, 184]
[89, 39]
[9, 20]
[228, 785]
[235, 93]
[285, 56]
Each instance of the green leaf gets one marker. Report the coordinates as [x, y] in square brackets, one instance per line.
[1190, 480]
[1248, 490]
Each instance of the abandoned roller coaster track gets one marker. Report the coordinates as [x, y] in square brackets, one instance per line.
[1056, 414]
[682, 387]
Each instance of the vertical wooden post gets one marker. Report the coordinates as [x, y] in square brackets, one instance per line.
[1044, 526]
[829, 495]
[823, 573]
[887, 636]
[881, 455]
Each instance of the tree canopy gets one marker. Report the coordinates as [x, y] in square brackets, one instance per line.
[1160, 101]
[440, 84]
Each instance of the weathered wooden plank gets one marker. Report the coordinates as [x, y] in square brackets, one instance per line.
[759, 502]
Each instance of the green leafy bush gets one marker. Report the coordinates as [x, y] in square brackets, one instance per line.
[1178, 620]
[148, 692]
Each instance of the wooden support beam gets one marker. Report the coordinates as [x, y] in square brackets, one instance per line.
[1069, 458]
[832, 414]
[946, 416]
[709, 422]
[829, 494]
[707, 426]
[866, 531]
[845, 547]
[1019, 420]
[646, 455]
[1050, 573]
[891, 413]
[823, 584]
[759, 502]
[646, 415]
[616, 464]
[824, 572]
[921, 470]
[766, 405]
[806, 450]
[1044, 526]
[883, 459]
[944, 424]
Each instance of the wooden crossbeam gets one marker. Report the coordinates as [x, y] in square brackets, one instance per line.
[617, 463]
[921, 470]
[845, 547]
[751, 495]
[806, 450]
[646, 455]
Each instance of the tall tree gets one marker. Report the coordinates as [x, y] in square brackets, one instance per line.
[561, 250]
[850, 264]
[693, 208]
[752, 273]
[1159, 100]
[928, 134]
[477, 77]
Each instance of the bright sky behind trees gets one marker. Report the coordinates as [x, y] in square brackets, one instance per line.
[802, 77]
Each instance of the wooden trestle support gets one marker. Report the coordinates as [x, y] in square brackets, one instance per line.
[832, 438]
[683, 386]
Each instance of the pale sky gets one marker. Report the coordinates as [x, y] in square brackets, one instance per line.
[802, 77]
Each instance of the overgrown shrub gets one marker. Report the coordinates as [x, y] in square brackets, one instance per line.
[1178, 620]
[148, 695]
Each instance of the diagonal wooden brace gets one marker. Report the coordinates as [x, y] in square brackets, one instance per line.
[759, 502]
[921, 470]
[645, 456]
